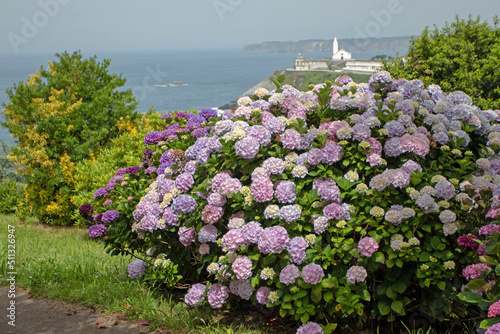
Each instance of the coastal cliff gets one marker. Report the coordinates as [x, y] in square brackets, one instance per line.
[398, 44]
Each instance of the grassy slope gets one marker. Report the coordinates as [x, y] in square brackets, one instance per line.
[65, 264]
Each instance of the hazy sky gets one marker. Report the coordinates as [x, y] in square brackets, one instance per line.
[28, 26]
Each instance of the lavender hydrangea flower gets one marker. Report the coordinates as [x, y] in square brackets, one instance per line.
[289, 274]
[184, 182]
[186, 235]
[101, 192]
[262, 295]
[327, 189]
[136, 268]
[489, 229]
[312, 273]
[356, 274]
[184, 204]
[195, 295]
[361, 132]
[169, 217]
[367, 246]
[310, 328]
[285, 192]
[332, 153]
[336, 211]
[275, 125]
[447, 216]
[395, 129]
[260, 133]
[217, 295]
[274, 165]
[273, 240]
[216, 199]
[427, 204]
[320, 224]
[233, 239]
[297, 249]
[242, 267]
[494, 329]
[96, 231]
[290, 139]
[110, 216]
[262, 189]
[217, 181]
[251, 232]
[393, 147]
[445, 189]
[208, 233]
[474, 271]
[245, 289]
[380, 81]
[231, 185]
[411, 166]
[290, 213]
[247, 148]
[208, 113]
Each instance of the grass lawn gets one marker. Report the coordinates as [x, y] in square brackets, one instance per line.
[63, 263]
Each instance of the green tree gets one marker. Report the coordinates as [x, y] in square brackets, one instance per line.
[60, 116]
[463, 55]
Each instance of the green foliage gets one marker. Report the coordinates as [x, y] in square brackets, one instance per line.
[60, 116]
[463, 55]
[11, 193]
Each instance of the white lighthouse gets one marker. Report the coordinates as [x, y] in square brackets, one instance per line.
[339, 55]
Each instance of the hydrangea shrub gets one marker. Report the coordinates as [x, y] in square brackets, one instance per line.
[343, 203]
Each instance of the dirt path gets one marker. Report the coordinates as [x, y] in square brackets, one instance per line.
[44, 316]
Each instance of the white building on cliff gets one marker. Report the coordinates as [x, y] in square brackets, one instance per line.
[341, 61]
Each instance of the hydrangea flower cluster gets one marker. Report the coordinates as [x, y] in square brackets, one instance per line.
[283, 188]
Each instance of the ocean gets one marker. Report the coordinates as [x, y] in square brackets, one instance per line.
[201, 79]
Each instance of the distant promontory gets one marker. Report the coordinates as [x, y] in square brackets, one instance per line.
[394, 44]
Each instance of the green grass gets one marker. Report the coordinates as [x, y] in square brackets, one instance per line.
[63, 263]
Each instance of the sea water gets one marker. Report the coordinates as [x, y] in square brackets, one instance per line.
[169, 80]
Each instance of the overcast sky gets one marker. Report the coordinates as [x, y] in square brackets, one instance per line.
[32, 26]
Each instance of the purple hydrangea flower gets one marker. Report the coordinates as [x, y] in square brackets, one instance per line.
[274, 165]
[101, 192]
[183, 204]
[367, 246]
[356, 274]
[445, 189]
[290, 213]
[263, 295]
[416, 143]
[411, 166]
[208, 233]
[216, 199]
[380, 81]
[252, 231]
[489, 229]
[320, 224]
[247, 147]
[427, 204]
[273, 240]
[494, 329]
[231, 185]
[395, 129]
[310, 328]
[211, 214]
[393, 147]
[260, 133]
[217, 295]
[233, 239]
[217, 181]
[285, 192]
[208, 113]
[136, 268]
[327, 189]
[332, 153]
[195, 295]
[152, 138]
[133, 170]
[96, 231]
[169, 217]
[312, 273]
[361, 132]
[474, 271]
[110, 215]
[315, 156]
[242, 267]
[289, 274]
[290, 139]
[184, 182]
[186, 235]
[85, 209]
[262, 189]
[297, 249]
[336, 211]
[275, 125]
